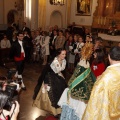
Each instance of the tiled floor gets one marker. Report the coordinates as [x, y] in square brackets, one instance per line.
[27, 112]
[30, 76]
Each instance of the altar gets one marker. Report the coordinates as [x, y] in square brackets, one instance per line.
[109, 40]
[109, 37]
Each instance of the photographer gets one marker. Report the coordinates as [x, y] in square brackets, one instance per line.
[5, 114]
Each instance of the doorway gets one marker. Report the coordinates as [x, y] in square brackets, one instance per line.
[56, 19]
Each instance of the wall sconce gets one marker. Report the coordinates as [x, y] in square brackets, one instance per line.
[107, 5]
[57, 2]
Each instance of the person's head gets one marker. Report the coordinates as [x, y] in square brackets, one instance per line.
[70, 38]
[114, 55]
[3, 99]
[33, 34]
[24, 24]
[88, 38]
[56, 27]
[75, 38]
[25, 33]
[87, 31]
[80, 39]
[55, 32]
[60, 32]
[5, 37]
[37, 33]
[44, 33]
[98, 56]
[67, 34]
[50, 29]
[20, 35]
[98, 43]
[61, 53]
[119, 44]
[98, 40]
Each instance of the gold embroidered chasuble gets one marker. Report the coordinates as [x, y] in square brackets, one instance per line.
[104, 103]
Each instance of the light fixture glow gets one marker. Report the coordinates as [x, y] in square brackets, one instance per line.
[28, 9]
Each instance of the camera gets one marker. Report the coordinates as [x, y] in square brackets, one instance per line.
[10, 90]
[8, 104]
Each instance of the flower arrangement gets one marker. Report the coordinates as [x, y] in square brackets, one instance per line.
[112, 30]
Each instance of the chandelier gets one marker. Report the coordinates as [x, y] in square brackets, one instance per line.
[57, 2]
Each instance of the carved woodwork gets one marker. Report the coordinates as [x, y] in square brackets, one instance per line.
[106, 12]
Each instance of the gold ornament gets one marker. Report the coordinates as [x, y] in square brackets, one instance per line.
[87, 51]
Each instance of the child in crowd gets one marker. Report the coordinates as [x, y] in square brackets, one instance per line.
[98, 65]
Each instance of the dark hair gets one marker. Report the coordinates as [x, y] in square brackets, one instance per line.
[100, 56]
[80, 37]
[3, 99]
[45, 33]
[59, 50]
[115, 53]
[99, 39]
[61, 31]
[20, 32]
[54, 30]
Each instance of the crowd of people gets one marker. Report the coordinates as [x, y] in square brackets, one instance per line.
[84, 58]
[86, 64]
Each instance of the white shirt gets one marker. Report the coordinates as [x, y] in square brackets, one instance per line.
[80, 45]
[54, 39]
[5, 44]
[22, 50]
[38, 39]
[56, 67]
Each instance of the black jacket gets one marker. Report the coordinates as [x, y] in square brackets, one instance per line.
[15, 50]
[26, 29]
[51, 40]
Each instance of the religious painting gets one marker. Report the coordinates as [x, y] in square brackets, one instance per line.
[83, 7]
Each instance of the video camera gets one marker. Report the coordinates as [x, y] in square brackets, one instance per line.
[11, 88]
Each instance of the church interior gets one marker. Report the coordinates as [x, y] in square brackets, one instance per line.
[100, 17]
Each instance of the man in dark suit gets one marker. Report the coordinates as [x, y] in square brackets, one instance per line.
[25, 28]
[9, 32]
[52, 43]
[18, 53]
